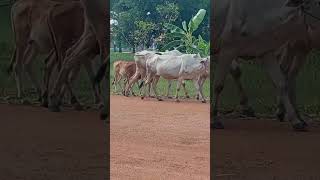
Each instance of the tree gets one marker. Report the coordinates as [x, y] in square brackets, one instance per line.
[183, 38]
[131, 14]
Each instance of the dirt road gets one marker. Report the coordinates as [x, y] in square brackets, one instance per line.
[36, 144]
[151, 140]
[266, 150]
[159, 140]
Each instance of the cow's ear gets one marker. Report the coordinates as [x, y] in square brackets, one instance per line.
[293, 3]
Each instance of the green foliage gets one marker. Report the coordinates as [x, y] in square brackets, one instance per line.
[128, 13]
[203, 46]
[143, 32]
[168, 12]
[183, 38]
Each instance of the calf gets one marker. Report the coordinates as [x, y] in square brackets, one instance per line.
[123, 70]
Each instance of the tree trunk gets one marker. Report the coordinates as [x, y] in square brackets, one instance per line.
[120, 45]
[114, 47]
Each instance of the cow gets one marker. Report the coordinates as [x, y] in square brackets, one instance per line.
[292, 56]
[187, 66]
[123, 70]
[140, 60]
[246, 29]
[95, 29]
[202, 79]
[33, 38]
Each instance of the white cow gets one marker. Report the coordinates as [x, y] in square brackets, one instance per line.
[140, 59]
[183, 67]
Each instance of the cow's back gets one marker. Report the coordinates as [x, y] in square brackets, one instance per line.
[254, 26]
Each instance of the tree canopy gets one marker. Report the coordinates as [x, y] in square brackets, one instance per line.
[141, 21]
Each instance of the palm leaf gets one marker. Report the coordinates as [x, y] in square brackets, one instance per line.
[184, 25]
[173, 28]
[197, 19]
[171, 45]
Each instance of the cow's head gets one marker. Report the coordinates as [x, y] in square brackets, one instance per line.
[206, 63]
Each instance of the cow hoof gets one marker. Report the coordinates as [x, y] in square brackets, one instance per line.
[305, 123]
[249, 112]
[78, 107]
[197, 98]
[216, 125]
[187, 97]
[54, 108]
[300, 127]
[45, 104]
[103, 116]
[280, 117]
[204, 101]
[142, 97]
[159, 99]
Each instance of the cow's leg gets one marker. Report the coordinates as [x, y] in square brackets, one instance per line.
[154, 86]
[202, 80]
[281, 82]
[133, 80]
[72, 77]
[244, 105]
[114, 83]
[126, 83]
[18, 70]
[221, 70]
[179, 82]
[168, 89]
[281, 111]
[74, 59]
[96, 89]
[48, 69]
[149, 89]
[185, 89]
[147, 83]
[197, 84]
[29, 55]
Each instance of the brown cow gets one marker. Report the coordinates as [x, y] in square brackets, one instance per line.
[123, 70]
[96, 29]
[31, 29]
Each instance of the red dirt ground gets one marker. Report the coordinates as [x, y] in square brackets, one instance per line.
[159, 140]
[266, 150]
[39, 145]
[151, 140]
